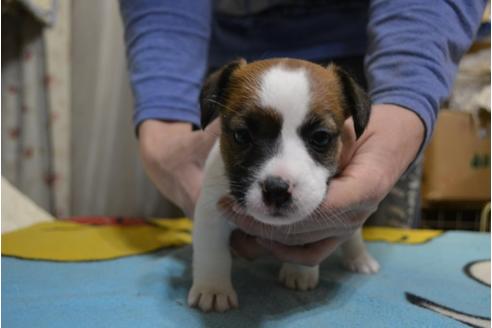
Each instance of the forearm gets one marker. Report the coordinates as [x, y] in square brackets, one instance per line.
[414, 49]
[167, 47]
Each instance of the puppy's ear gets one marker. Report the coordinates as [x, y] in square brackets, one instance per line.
[356, 101]
[214, 91]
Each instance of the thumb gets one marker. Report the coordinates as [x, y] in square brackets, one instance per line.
[212, 131]
[246, 246]
[348, 142]
[204, 141]
[357, 190]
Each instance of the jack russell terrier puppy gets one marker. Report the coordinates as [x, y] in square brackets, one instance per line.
[281, 122]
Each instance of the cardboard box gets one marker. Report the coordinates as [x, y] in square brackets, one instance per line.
[457, 160]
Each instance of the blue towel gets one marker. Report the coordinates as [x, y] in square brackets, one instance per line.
[150, 291]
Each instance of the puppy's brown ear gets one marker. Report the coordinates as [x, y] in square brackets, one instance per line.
[214, 91]
[356, 101]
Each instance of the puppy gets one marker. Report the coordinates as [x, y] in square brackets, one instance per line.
[279, 147]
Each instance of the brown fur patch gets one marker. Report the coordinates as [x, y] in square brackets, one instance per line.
[324, 84]
[241, 105]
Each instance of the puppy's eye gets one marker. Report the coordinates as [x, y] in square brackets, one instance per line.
[320, 138]
[241, 137]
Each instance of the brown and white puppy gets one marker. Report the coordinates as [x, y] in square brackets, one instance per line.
[279, 147]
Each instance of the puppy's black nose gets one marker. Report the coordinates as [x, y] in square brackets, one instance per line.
[275, 191]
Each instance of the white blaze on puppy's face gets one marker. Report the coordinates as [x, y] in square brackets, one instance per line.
[288, 92]
[280, 142]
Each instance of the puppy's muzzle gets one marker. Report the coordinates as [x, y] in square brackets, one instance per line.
[276, 192]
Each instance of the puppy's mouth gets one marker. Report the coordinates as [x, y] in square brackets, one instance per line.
[240, 207]
[278, 204]
[280, 213]
[274, 216]
[276, 213]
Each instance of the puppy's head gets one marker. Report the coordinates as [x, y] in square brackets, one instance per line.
[281, 132]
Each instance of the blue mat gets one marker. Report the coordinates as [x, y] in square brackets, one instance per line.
[150, 291]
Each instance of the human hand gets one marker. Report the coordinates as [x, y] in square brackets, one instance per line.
[370, 167]
[173, 156]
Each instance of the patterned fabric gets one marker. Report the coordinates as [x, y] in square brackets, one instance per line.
[431, 282]
[35, 114]
[94, 238]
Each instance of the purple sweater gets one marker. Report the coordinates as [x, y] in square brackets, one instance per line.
[411, 47]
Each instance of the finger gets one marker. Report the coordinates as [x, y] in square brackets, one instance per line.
[358, 188]
[246, 246]
[309, 255]
[203, 142]
[348, 143]
[314, 235]
[351, 198]
[327, 222]
[308, 231]
[213, 129]
[349, 201]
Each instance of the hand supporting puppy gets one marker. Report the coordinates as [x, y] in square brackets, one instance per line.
[173, 156]
[370, 168]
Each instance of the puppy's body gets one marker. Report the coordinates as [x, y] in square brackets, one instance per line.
[280, 144]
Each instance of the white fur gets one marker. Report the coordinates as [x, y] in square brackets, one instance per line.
[212, 288]
[287, 91]
[356, 258]
[211, 232]
[299, 277]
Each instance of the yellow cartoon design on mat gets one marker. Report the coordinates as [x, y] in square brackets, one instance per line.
[70, 241]
[74, 241]
[400, 236]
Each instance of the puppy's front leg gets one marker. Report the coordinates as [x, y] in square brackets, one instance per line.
[212, 287]
[356, 258]
[301, 277]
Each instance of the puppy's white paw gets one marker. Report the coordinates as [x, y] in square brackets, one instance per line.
[212, 298]
[363, 263]
[298, 276]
